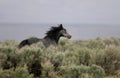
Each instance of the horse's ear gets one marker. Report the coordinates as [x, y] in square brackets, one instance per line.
[61, 26]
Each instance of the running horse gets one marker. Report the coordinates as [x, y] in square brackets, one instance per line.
[52, 37]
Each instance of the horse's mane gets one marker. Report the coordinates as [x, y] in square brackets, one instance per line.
[54, 30]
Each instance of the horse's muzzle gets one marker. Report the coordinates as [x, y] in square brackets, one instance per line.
[69, 36]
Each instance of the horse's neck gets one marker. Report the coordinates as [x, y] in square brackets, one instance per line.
[48, 41]
[53, 39]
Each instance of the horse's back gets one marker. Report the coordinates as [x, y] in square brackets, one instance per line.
[28, 42]
[33, 40]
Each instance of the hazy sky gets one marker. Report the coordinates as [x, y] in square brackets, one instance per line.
[60, 11]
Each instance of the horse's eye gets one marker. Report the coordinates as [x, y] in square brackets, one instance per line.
[63, 31]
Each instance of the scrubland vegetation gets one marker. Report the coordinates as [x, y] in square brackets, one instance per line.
[95, 58]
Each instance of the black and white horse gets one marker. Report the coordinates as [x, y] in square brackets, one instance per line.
[52, 37]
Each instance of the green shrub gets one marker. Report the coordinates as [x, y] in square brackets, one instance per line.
[98, 57]
[48, 71]
[17, 73]
[56, 60]
[112, 60]
[3, 58]
[96, 71]
[97, 44]
[84, 56]
[112, 41]
[74, 71]
[82, 71]
[21, 72]
[7, 73]
[71, 59]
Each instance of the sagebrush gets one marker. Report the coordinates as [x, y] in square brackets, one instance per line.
[93, 58]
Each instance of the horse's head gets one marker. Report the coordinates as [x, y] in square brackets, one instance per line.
[57, 32]
[63, 32]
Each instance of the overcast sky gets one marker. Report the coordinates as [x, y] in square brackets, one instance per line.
[60, 11]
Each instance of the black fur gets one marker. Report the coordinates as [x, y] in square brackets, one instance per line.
[52, 37]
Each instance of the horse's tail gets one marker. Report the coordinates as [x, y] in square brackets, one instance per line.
[23, 43]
